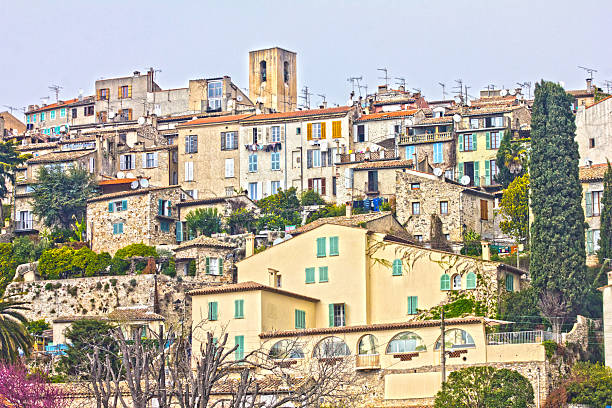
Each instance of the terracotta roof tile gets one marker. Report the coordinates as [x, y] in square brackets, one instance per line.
[384, 164]
[299, 114]
[54, 157]
[387, 115]
[352, 221]
[599, 101]
[135, 313]
[594, 172]
[216, 119]
[37, 146]
[433, 121]
[77, 140]
[128, 193]
[247, 287]
[117, 181]
[491, 109]
[54, 106]
[204, 241]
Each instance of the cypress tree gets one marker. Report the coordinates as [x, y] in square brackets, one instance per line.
[605, 232]
[558, 256]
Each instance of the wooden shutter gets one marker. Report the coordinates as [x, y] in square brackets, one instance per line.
[119, 93]
[124, 205]
[144, 160]
[282, 133]
[179, 231]
[207, 265]
[310, 275]
[222, 141]
[220, 263]
[333, 246]
[310, 184]
[397, 267]
[323, 186]
[474, 141]
[331, 315]
[160, 207]
[487, 173]
[589, 242]
[321, 243]
[268, 134]
[477, 173]
[484, 210]
[239, 340]
[110, 207]
[323, 274]
[309, 131]
[460, 143]
[459, 170]
[129, 91]
[309, 159]
[322, 130]
[588, 199]
[336, 129]
[470, 281]
[129, 114]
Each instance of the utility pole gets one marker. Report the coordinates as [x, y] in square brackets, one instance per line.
[386, 77]
[443, 348]
[443, 85]
[56, 89]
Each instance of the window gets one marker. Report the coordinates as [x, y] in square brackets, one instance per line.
[455, 339]
[229, 168]
[484, 210]
[255, 134]
[334, 248]
[411, 153]
[397, 267]
[491, 171]
[438, 155]
[334, 185]
[368, 345]
[412, 305]
[336, 129]
[118, 228]
[445, 282]
[125, 114]
[125, 91]
[52, 115]
[284, 349]
[416, 208]
[164, 207]
[337, 316]
[316, 131]
[102, 116]
[263, 74]
[316, 158]
[321, 242]
[191, 144]
[164, 226]
[591, 142]
[593, 203]
[215, 94]
[510, 283]
[467, 143]
[470, 281]
[252, 163]
[239, 309]
[310, 275]
[63, 113]
[212, 311]
[331, 347]
[406, 342]
[495, 121]
[419, 238]
[275, 160]
[274, 187]
[361, 133]
[126, 162]
[74, 113]
[415, 186]
[151, 160]
[229, 141]
[495, 140]
[317, 184]
[117, 206]
[457, 282]
[88, 111]
[214, 266]
[286, 72]
[323, 274]
[189, 171]
[103, 94]
[276, 137]
[592, 241]
[300, 319]
[253, 191]
[229, 191]
[42, 116]
[192, 193]
[239, 353]
[443, 207]
[474, 123]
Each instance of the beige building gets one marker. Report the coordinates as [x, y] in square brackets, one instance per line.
[421, 195]
[10, 126]
[607, 320]
[55, 120]
[293, 149]
[375, 130]
[158, 164]
[145, 215]
[591, 179]
[211, 259]
[594, 132]
[209, 158]
[217, 95]
[273, 79]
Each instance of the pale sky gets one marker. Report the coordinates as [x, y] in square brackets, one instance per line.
[498, 42]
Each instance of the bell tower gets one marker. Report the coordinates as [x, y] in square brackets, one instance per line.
[273, 78]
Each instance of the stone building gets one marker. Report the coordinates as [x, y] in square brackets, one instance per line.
[273, 79]
[214, 95]
[375, 130]
[293, 149]
[586, 97]
[607, 320]
[209, 158]
[212, 259]
[591, 179]
[421, 195]
[594, 132]
[158, 164]
[10, 126]
[145, 215]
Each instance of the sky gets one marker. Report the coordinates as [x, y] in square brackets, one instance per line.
[426, 42]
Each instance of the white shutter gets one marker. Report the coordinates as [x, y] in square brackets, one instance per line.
[229, 167]
[144, 160]
[155, 159]
[348, 178]
[121, 162]
[269, 186]
[282, 184]
[259, 190]
[355, 133]
[195, 191]
[366, 137]
[133, 161]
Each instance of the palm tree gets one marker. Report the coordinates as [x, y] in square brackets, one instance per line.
[13, 333]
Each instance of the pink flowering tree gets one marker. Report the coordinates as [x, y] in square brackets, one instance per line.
[18, 389]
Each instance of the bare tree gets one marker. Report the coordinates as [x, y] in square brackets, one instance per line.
[555, 309]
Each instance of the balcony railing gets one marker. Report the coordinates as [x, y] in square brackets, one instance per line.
[24, 225]
[367, 362]
[425, 138]
[359, 157]
[523, 337]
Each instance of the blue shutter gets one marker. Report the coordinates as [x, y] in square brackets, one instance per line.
[239, 340]
[331, 315]
[179, 231]
[169, 208]
[487, 173]
[460, 143]
[397, 267]
[459, 170]
[160, 207]
[488, 134]
[334, 249]
[323, 274]
[477, 173]
[590, 242]
[124, 205]
[321, 243]
[445, 282]
[310, 275]
[474, 141]
[111, 206]
[412, 305]
[588, 199]
[212, 311]
[509, 283]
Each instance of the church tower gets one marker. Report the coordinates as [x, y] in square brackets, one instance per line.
[273, 78]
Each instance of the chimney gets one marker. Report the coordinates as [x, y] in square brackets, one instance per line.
[589, 82]
[249, 245]
[349, 209]
[402, 88]
[382, 88]
[486, 251]
[136, 73]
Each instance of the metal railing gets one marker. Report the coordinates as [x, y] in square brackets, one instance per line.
[428, 137]
[522, 337]
[367, 361]
[359, 157]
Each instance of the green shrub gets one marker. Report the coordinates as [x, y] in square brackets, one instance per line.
[192, 268]
[119, 266]
[133, 283]
[60, 235]
[82, 258]
[136, 250]
[36, 327]
[98, 264]
[73, 291]
[48, 286]
[550, 347]
[311, 197]
[57, 262]
[170, 268]
[113, 282]
[7, 266]
[25, 250]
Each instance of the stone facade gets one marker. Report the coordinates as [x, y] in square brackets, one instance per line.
[232, 99]
[159, 164]
[214, 259]
[594, 132]
[273, 79]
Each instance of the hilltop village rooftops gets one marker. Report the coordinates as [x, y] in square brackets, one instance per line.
[337, 111]
[383, 164]
[216, 120]
[387, 115]
[352, 221]
[204, 241]
[56, 157]
[128, 193]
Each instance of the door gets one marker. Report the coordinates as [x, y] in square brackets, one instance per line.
[468, 170]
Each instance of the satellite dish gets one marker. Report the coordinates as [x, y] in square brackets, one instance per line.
[239, 98]
[437, 172]
[521, 97]
[409, 122]
[120, 174]
[457, 99]
[134, 185]
[130, 175]
[457, 118]
[465, 180]
[111, 115]
[503, 92]
[144, 183]
[141, 120]
[513, 92]
[63, 128]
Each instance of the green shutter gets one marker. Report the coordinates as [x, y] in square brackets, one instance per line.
[110, 207]
[477, 173]
[445, 282]
[412, 305]
[239, 340]
[334, 250]
[509, 283]
[160, 207]
[588, 199]
[331, 315]
[397, 267]
[220, 266]
[488, 140]
[179, 231]
[487, 173]
[589, 242]
[470, 281]
[460, 143]
[169, 208]
[321, 247]
[310, 275]
[212, 311]
[459, 170]
[300, 319]
[208, 265]
[474, 141]
[239, 308]
[323, 275]
[124, 205]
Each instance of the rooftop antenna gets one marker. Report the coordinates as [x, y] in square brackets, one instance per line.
[443, 85]
[363, 87]
[401, 82]
[56, 89]
[527, 85]
[12, 108]
[466, 92]
[589, 71]
[322, 96]
[489, 89]
[306, 97]
[44, 99]
[355, 81]
[608, 85]
[386, 77]
[459, 88]
[418, 90]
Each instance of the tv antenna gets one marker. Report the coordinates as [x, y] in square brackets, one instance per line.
[363, 87]
[418, 90]
[56, 89]
[608, 85]
[459, 89]
[527, 85]
[12, 108]
[386, 77]
[306, 97]
[589, 71]
[355, 81]
[322, 96]
[490, 88]
[443, 85]
[401, 82]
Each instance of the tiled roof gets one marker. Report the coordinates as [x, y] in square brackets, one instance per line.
[54, 157]
[384, 164]
[247, 287]
[413, 324]
[37, 146]
[299, 114]
[216, 119]
[74, 318]
[136, 313]
[594, 172]
[490, 109]
[77, 140]
[204, 241]
[117, 181]
[128, 193]
[54, 105]
[210, 200]
[352, 221]
[434, 121]
[581, 92]
[494, 100]
[387, 115]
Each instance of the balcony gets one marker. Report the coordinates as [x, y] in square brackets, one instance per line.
[24, 225]
[523, 337]
[364, 156]
[367, 362]
[426, 138]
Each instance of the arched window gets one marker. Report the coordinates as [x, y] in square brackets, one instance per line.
[457, 282]
[262, 71]
[445, 282]
[286, 71]
[397, 267]
[406, 342]
[470, 281]
[456, 339]
[368, 345]
[285, 349]
[331, 347]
